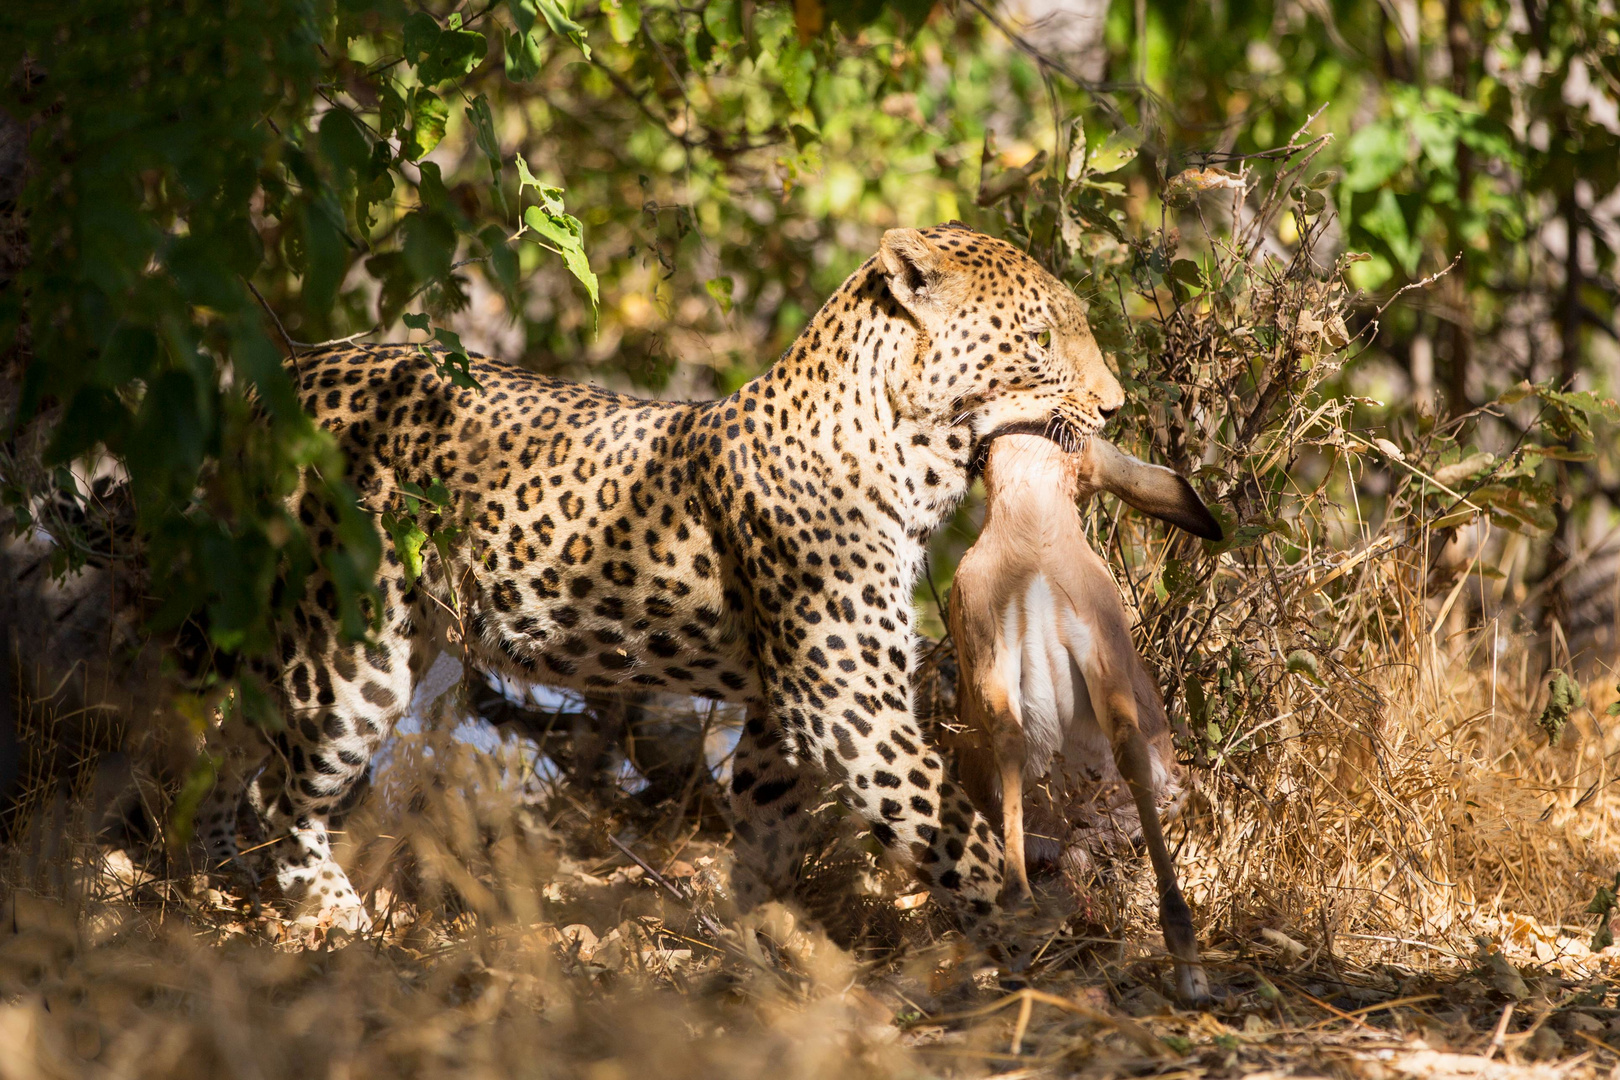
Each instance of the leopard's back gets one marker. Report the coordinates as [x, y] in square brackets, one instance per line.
[588, 535]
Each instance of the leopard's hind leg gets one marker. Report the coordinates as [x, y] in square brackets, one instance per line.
[237, 750]
[343, 698]
[773, 802]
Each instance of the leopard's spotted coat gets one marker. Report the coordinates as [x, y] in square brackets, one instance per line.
[760, 549]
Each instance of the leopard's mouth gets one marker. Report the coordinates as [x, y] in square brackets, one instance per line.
[1058, 428]
[1043, 428]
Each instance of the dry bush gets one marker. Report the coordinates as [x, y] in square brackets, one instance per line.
[1372, 775]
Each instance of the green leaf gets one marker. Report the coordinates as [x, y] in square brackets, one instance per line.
[1561, 453]
[503, 261]
[454, 364]
[1373, 155]
[391, 109]
[343, 144]
[1010, 181]
[94, 416]
[1117, 151]
[1243, 536]
[721, 288]
[421, 36]
[1096, 216]
[430, 245]
[166, 447]
[325, 256]
[429, 117]
[1301, 662]
[566, 236]
[444, 539]
[483, 125]
[1586, 403]
[1514, 507]
[1159, 591]
[198, 783]
[1179, 576]
[559, 231]
[796, 67]
[1517, 392]
[377, 185]
[803, 136]
[440, 55]
[524, 12]
[398, 286]
[431, 190]
[1438, 141]
[561, 24]
[1456, 517]
[723, 20]
[551, 198]
[1197, 700]
[1603, 905]
[523, 56]
[408, 539]
[352, 566]
[1185, 270]
[412, 496]
[1387, 222]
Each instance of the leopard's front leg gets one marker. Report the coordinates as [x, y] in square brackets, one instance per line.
[842, 704]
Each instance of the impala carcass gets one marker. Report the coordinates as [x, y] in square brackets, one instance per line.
[1050, 690]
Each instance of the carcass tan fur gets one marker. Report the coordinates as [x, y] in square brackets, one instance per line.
[1048, 676]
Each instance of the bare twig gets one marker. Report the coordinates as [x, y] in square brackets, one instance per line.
[1423, 284]
[292, 351]
[709, 923]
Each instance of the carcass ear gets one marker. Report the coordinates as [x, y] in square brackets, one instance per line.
[913, 266]
[1152, 489]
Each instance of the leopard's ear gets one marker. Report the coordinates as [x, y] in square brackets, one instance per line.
[914, 268]
[1152, 489]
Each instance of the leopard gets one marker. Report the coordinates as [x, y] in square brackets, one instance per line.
[760, 548]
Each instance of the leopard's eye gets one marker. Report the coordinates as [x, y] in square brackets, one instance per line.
[1044, 339]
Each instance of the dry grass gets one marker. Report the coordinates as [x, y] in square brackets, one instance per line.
[1339, 901]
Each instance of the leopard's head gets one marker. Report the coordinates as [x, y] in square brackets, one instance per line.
[1004, 346]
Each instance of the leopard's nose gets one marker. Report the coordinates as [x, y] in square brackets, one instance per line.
[1108, 414]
